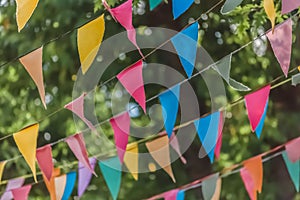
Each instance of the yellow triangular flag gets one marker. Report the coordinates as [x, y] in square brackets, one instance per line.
[131, 159]
[159, 150]
[26, 141]
[89, 38]
[33, 64]
[270, 10]
[2, 165]
[24, 11]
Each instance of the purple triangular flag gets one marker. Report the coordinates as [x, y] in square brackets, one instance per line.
[85, 176]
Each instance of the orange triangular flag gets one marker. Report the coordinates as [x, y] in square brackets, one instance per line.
[24, 11]
[50, 184]
[159, 150]
[2, 165]
[131, 159]
[33, 64]
[26, 141]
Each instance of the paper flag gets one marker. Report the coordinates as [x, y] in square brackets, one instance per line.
[159, 150]
[26, 141]
[2, 165]
[111, 170]
[77, 145]
[207, 129]
[293, 169]
[171, 195]
[292, 150]
[123, 14]
[76, 106]
[170, 101]
[154, 3]
[249, 183]
[121, 127]
[270, 11]
[32, 62]
[255, 105]
[175, 145]
[85, 176]
[185, 44]
[60, 184]
[281, 43]
[132, 79]
[89, 38]
[209, 186]
[296, 79]
[288, 5]
[70, 183]
[21, 193]
[179, 7]
[50, 184]
[223, 67]
[217, 193]
[230, 5]
[180, 195]
[24, 11]
[131, 159]
[260, 126]
[44, 159]
[12, 184]
[219, 140]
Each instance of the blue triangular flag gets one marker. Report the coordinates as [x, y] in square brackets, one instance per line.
[70, 183]
[260, 126]
[185, 44]
[207, 129]
[154, 3]
[180, 6]
[111, 170]
[180, 195]
[293, 169]
[170, 101]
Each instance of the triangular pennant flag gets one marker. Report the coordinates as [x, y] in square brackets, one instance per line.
[26, 141]
[44, 159]
[171, 195]
[111, 170]
[296, 79]
[85, 176]
[288, 5]
[132, 79]
[76, 106]
[25, 9]
[219, 140]
[293, 169]
[51, 184]
[217, 193]
[260, 126]
[159, 150]
[185, 44]
[281, 43]
[131, 159]
[77, 145]
[175, 145]
[32, 62]
[123, 14]
[170, 101]
[179, 7]
[230, 5]
[270, 11]
[223, 67]
[21, 193]
[121, 127]
[89, 38]
[12, 184]
[292, 150]
[2, 165]
[154, 3]
[60, 185]
[255, 105]
[180, 195]
[249, 183]
[207, 129]
[209, 186]
[70, 183]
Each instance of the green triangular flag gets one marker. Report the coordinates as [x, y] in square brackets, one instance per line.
[293, 169]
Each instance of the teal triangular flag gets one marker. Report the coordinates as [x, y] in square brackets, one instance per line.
[71, 179]
[260, 126]
[111, 170]
[185, 44]
[230, 5]
[154, 3]
[293, 169]
[296, 79]
[209, 186]
[207, 129]
[180, 6]
[170, 101]
[180, 195]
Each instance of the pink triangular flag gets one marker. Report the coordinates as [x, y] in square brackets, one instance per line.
[121, 127]
[171, 195]
[77, 145]
[123, 14]
[76, 106]
[289, 5]
[292, 150]
[175, 145]
[219, 140]
[12, 184]
[132, 79]
[33, 64]
[255, 104]
[249, 183]
[281, 43]
[21, 193]
[44, 159]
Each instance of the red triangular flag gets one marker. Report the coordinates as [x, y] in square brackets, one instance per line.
[77, 145]
[132, 79]
[292, 150]
[219, 140]
[121, 127]
[21, 193]
[255, 104]
[44, 159]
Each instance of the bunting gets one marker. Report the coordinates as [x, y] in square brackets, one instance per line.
[175, 145]
[260, 126]
[50, 185]
[25, 9]
[85, 176]
[12, 184]
[292, 150]
[44, 160]
[131, 159]
[217, 193]
[179, 7]
[2, 166]
[270, 11]
[293, 169]
[296, 79]
[180, 195]
[288, 6]
[230, 5]
[209, 186]
[60, 184]
[21, 193]
[171, 195]
[154, 3]
[70, 183]
[219, 140]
